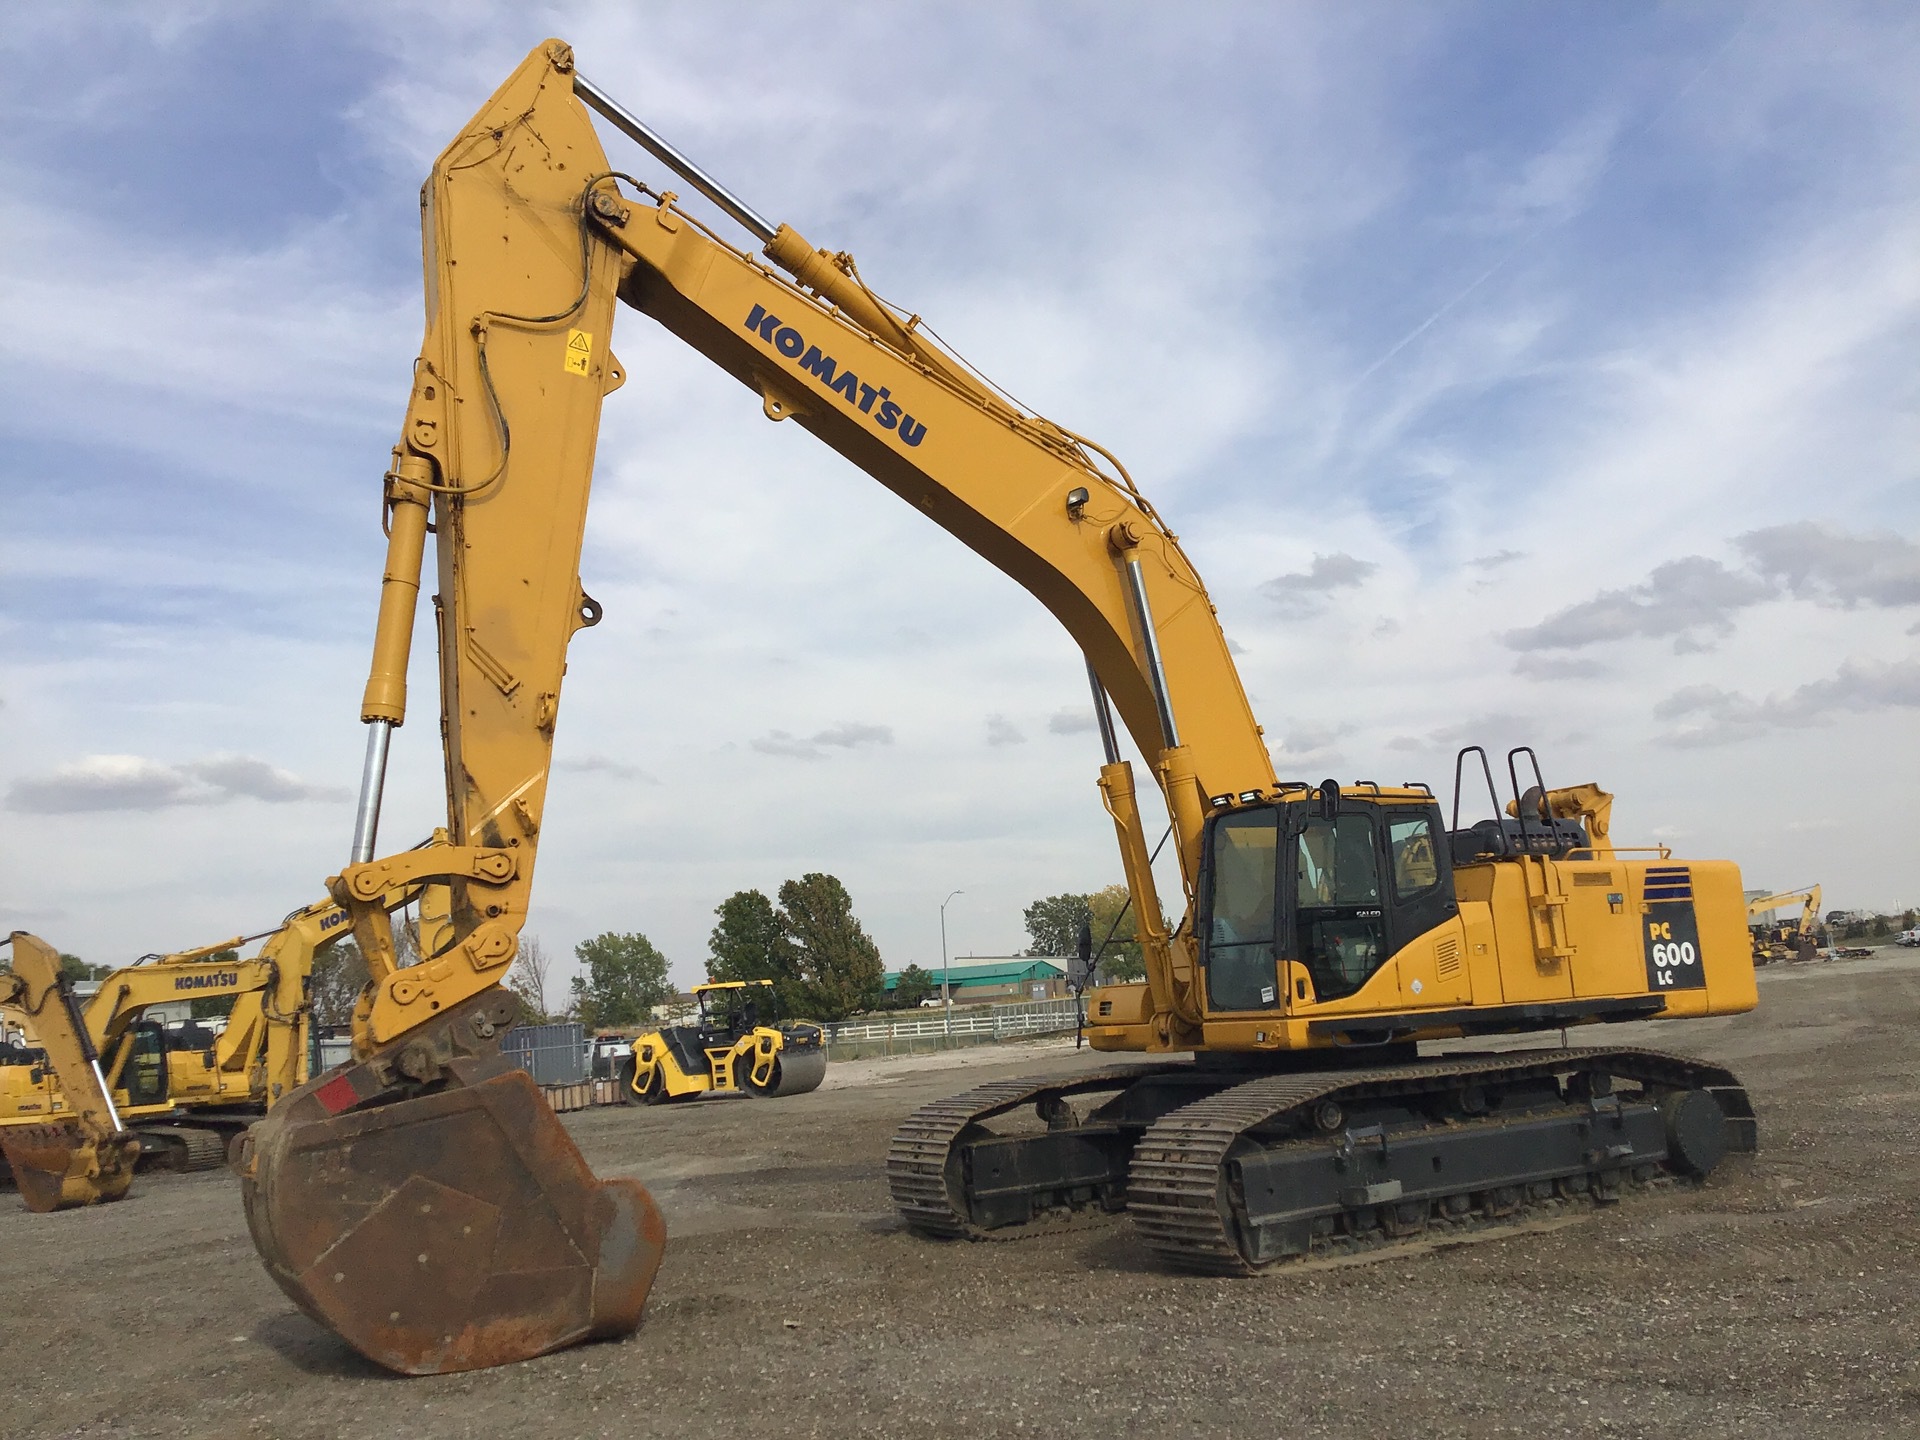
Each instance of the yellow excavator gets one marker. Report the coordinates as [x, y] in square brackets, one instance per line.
[424, 1202]
[185, 1090]
[85, 1156]
[1797, 939]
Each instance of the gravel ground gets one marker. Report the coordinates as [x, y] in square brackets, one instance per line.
[1778, 1299]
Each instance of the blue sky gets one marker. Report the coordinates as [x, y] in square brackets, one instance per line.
[1513, 373]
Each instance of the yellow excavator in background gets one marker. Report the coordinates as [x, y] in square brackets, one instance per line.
[425, 1203]
[85, 1156]
[185, 1090]
[1797, 939]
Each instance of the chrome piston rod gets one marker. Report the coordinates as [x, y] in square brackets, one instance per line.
[643, 135]
[373, 783]
[1156, 670]
[1103, 716]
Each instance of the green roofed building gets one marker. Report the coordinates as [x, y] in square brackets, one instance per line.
[981, 978]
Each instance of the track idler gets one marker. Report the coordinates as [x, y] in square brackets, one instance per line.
[56, 1167]
[427, 1207]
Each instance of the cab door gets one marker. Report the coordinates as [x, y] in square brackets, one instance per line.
[143, 1074]
[1339, 910]
[1240, 911]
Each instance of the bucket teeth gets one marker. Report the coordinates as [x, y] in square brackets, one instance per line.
[445, 1226]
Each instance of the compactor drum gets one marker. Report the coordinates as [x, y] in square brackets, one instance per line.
[427, 1206]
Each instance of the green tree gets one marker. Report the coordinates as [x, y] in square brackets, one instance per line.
[913, 986]
[835, 967]
[745, 945]
[74, 968]
[1053, 924]
[339, 975]
[626, 977]
[1121, 958]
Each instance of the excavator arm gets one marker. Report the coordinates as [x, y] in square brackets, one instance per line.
[529, 240]
[86, 1157]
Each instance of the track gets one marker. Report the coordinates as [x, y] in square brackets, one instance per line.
[183, 1148]
[918, 1173]
[1290, 1165]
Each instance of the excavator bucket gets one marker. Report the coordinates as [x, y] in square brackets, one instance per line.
[426, 1205]
[56, 1167]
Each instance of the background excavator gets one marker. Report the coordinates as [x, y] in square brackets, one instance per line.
[184, 1089]
[86, 1156]
[1796, 939]
[422, 1200]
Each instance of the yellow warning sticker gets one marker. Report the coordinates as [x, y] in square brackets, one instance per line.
[579, 351]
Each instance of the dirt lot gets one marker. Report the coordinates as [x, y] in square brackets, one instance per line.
[1778, 1300]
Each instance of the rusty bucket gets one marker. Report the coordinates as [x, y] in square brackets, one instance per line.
[446, 1224]
[56, 1167]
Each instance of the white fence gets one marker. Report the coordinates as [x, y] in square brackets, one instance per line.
[1001, 1022]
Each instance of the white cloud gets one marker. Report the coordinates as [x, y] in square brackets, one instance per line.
[606, 765]
[1002, 731]
[1819, 563]
[1305, 747]
[1496, 560]
[848, 736]
[132, 782]
[1076, 720]
[1304, 592]
[1684, 598]
[1719, 717]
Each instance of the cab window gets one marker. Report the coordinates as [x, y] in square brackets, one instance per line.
[1415, 869]
[1337, 864]
[1343, 938]
[1240, 921]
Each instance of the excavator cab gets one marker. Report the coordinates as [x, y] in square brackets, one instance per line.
[140, 1070]
[1305, 900]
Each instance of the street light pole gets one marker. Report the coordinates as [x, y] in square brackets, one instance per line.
[946, 982]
